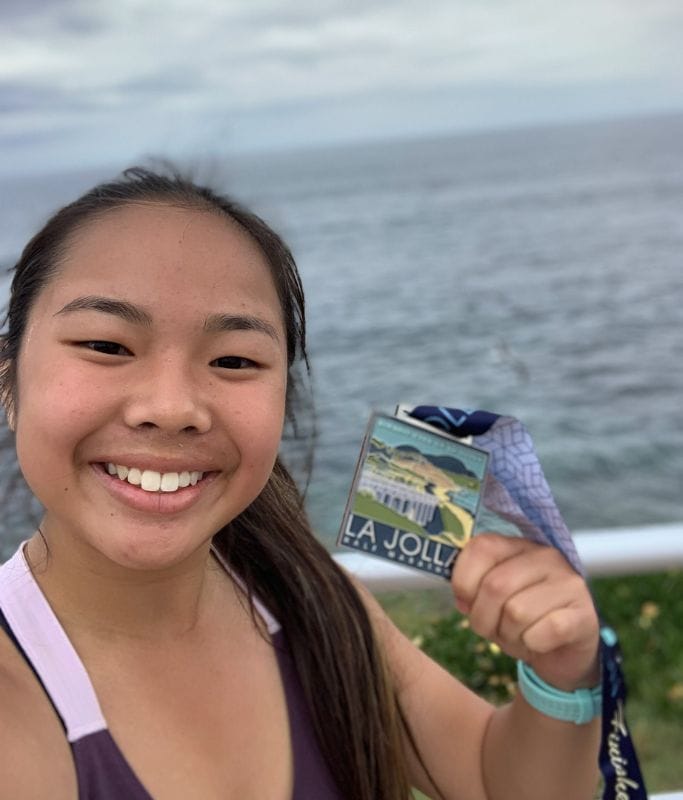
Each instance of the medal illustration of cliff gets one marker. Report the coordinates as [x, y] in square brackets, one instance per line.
[415, 495]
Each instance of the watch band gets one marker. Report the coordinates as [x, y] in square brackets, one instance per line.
[579, 706]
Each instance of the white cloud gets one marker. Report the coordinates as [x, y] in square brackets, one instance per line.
[190, 65]
[449, 40]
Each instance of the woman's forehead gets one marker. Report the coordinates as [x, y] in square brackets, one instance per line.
[175, 262]
[139, 226]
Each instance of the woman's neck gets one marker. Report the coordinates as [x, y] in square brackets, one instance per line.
[96, 598]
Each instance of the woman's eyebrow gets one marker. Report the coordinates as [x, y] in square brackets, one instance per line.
[119, 308]
[214, 323]
[219, 323]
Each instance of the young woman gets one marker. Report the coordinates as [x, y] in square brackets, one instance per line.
[173, 629]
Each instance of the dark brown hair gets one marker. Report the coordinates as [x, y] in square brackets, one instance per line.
[270, 545]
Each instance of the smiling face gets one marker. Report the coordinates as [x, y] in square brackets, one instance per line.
[157, 353]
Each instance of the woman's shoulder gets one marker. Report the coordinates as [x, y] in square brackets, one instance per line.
[35, 757]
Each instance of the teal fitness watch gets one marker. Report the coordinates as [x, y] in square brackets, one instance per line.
[579, 706]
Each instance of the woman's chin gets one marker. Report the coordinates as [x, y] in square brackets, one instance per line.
[152, 551]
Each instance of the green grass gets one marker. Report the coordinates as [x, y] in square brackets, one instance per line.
[647, 613]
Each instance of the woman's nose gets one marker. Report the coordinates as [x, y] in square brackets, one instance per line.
[169, 398]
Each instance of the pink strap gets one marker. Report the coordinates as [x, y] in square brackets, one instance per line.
[47, 646]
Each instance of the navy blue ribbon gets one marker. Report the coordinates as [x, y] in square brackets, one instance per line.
[455, 421]
[618, 760]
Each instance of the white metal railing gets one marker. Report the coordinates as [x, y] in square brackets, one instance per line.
[618, 551]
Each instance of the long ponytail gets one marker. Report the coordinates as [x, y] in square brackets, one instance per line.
[346, 683]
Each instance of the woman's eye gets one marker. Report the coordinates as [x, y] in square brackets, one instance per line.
[107, 348]
[233, 362]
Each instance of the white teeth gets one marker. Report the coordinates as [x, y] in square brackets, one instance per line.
[152, 481]
[169, 482]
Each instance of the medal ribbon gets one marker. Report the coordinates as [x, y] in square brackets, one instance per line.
[517, 491]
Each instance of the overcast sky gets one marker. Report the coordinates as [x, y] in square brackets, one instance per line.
[90, 82]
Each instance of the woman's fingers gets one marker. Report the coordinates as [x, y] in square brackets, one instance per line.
[522, 615]
[501, 584]
[477, 559]
[529, 600]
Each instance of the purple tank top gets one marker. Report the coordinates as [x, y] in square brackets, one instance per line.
[101, 770]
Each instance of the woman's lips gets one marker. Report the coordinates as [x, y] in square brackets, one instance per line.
[150, 500]
[151, 480]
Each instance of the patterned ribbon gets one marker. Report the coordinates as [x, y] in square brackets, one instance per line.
[517, 492]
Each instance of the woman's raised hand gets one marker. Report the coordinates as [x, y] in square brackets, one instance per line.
[527, 599]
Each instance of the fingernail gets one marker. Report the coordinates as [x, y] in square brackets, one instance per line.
[462, 606]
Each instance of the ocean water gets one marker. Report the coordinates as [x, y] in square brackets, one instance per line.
[537, 273]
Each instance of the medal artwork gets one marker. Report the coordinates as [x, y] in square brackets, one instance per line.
[415, 495]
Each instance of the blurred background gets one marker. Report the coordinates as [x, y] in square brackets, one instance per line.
[485, 201]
